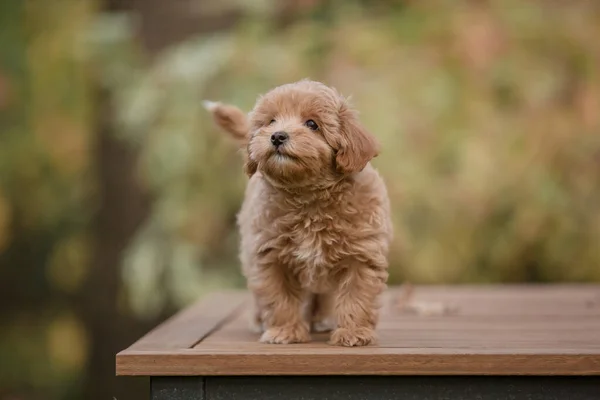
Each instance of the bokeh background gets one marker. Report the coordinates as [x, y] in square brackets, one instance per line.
[118, 196]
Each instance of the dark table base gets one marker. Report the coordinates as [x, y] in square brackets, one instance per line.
[375, 388]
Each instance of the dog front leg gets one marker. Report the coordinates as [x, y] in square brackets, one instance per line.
[357, 305]
[280, 299]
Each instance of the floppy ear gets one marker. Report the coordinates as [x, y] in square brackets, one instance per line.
[250, 166]
[356, 146]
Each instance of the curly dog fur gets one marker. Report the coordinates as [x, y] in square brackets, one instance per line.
[315, 223]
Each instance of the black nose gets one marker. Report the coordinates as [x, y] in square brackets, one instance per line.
[279, 138]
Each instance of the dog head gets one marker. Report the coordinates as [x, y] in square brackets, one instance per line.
[305, 133]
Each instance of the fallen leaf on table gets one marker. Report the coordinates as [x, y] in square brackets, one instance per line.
[406, 303]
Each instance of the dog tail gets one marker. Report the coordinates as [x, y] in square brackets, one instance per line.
[231, 119]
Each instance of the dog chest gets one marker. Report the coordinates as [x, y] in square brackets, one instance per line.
[315, 251]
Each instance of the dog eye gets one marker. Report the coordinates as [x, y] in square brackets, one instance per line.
[272, 122]
[312, 125]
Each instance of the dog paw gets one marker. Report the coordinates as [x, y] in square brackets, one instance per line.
[286, 335]
[352, 337]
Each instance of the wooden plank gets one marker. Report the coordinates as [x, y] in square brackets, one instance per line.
[455, 332]
[513, 300]
[496, 330]
[390, 362]
[190, 326]
[502, 342]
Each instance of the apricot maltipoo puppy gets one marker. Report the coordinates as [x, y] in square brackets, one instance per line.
[315, 224]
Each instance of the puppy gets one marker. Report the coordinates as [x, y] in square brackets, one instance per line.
[315, 223]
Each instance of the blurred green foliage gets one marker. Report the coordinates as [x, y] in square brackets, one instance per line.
[488, 112]
[489, 115]
[46, 194]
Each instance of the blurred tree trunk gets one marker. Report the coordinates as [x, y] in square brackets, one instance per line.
[164, 23]
[123, 206]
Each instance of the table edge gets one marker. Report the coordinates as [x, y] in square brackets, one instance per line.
[145, 358]
[195, 363]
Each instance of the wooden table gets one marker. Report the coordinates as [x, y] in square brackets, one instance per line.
[459, 342]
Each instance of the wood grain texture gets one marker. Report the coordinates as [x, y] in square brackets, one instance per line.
[494, 330]
[191, 325]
